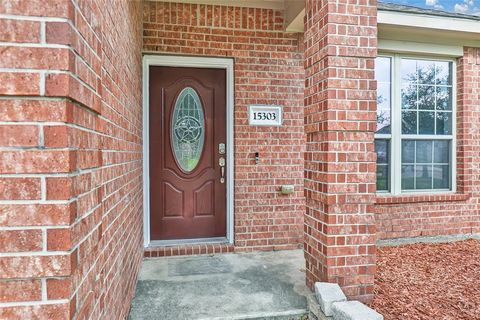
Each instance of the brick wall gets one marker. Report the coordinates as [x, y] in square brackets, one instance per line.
[70, 158]
[340, 106]
[431, 215]
[268, 70]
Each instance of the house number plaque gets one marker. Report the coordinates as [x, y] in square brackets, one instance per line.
[265, 115]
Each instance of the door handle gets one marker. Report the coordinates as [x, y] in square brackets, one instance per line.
[221, 163]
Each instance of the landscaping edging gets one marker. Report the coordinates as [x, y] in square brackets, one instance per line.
[334, 305]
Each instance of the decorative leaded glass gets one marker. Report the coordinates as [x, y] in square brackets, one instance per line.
[188, 129]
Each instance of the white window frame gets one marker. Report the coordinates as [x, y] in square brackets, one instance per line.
[396, 136]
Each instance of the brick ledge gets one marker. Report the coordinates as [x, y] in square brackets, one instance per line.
[445, 197]
[187, 249]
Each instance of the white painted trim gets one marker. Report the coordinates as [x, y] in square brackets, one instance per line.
[396, 129]
[396, 148]
[398, 46]
[195, 62]
[294, 14]
[296, 25]
[427, 21]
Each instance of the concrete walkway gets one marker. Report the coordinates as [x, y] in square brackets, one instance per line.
[268, 285]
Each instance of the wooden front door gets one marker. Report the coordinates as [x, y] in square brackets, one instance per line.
[187, 125]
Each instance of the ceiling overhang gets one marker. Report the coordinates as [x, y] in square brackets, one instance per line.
[392, 25]
[424, 28]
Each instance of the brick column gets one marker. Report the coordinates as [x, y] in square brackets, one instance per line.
[468, 99]
[70, 158]
[340, 107]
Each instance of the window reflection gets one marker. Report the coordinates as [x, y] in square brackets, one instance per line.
[384, 89]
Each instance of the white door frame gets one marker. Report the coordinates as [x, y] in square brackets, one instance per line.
[196, 62]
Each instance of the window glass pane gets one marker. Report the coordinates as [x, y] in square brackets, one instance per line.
[408, 151]
[383, 95]
[425, 164]
[423, 177]
[426, 122]
[443, 74]
[441, 151]
[444, 123]
[426, 97]
[444, 98]
[384, 85]
[382, 69]
[409, 122]
[424, 151]
[426, 86]
[408, 177]
[188, 129]
[426, 109]
[383, 122]
[441, 179]
[409, 70]
[382, 177]
[409, 97]
[426, 72]
[382, 148]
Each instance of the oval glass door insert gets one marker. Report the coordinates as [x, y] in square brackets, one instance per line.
[188, 129]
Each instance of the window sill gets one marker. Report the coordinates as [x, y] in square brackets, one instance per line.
[414, 198]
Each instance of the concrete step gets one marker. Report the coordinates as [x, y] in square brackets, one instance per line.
[285, 315]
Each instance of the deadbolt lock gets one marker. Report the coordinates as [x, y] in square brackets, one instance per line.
[221, 148]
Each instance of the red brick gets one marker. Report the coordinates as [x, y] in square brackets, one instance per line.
[49, 311]
[55, 136]
[342, 139]
[36, 58]
[21, 240]
[104, 73]
[39, 8]
[19, 30]
[59, 188]
[86, 308]
[20, 188]
[59, 239]
[36, 266]
[36, 214]
[18, 136]
[20, 290]
[33, 110]
[59, 288]
[37, 161]
[19, 83]
[58, 33]
[64, 85]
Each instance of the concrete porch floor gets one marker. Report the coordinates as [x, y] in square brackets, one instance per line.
[265, 285]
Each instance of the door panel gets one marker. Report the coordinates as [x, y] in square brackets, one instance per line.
[187, 123]
[172, 201]
[202, 207]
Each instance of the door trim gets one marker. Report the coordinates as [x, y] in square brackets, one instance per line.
[194, 62]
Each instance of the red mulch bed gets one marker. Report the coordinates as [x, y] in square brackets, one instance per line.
[429, 281]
